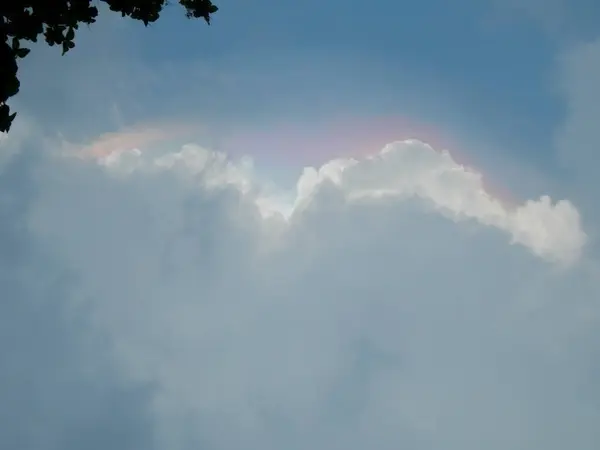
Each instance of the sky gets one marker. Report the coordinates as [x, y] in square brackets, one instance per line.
[316, 226]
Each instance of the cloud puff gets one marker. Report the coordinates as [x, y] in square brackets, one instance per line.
[414, 169]
[348, 314]
[401, 170]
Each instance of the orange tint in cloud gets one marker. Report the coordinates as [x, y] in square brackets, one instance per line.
[291, 144]
[140, 137]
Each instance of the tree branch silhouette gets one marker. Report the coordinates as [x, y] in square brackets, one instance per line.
[57, 21]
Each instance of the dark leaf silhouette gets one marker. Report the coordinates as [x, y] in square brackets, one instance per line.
[57, 21]
[22, 52]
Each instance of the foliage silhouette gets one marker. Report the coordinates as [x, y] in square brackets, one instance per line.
[57, 21]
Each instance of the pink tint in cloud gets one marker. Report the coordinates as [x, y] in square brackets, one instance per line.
[292, 144]
[300, 144]
[316, 143]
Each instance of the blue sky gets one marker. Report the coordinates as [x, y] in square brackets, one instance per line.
[325, 228]
[465, 48]
[486, 66]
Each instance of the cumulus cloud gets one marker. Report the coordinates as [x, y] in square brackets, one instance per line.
[381, 304]
[401, 170]
[412, 168]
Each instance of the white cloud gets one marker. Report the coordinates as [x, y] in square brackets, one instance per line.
[414, 169]
[401, 170]
[361, 321]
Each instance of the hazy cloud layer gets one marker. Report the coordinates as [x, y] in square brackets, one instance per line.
[58, 385]
[157, 304]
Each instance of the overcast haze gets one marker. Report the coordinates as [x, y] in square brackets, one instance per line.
[306, 228]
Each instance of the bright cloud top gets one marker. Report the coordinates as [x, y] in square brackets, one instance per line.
[401, 170]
